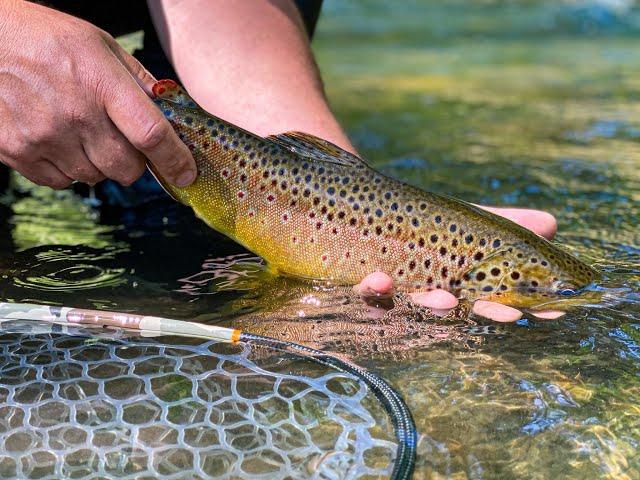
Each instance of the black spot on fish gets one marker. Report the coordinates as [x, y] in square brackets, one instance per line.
[478, 256]
[438, 219]
[480, 276]
[433, 238]
[495, 272]
[482, 242]
[453, 227]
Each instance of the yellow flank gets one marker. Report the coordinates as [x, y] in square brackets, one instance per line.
[313, 210]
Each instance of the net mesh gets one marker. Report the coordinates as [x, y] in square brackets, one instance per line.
[79, 404]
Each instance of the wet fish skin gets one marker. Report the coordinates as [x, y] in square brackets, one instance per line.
[313, 210]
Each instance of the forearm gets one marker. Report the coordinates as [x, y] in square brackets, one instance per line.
[248, 62]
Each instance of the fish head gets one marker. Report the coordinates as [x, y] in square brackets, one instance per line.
[530, 274]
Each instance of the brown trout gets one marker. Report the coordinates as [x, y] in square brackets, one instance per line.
[313, 210]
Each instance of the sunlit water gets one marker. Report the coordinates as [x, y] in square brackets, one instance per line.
[512, 103]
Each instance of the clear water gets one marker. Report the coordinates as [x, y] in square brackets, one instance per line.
[515, 103]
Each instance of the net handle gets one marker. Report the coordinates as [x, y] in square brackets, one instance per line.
[403, 424]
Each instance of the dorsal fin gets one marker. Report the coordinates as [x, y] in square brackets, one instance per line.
[171, 91]
[314, 148]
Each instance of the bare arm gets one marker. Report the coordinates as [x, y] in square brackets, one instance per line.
[248, 62]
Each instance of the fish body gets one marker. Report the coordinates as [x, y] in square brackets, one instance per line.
[313, 210]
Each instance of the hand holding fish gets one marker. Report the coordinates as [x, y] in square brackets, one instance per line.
[442, 301]
[316, 211]
[73, 104]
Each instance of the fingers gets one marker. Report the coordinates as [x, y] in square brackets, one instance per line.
[75, 164]
[441, 301]
[112, 153]
[435, 299]
[539, 222]
[146, 128]
[376, 283]
[496, 311]
[548, 314]
[43, 173]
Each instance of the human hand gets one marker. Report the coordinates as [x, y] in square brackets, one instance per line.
[73, 104]
[442, 301]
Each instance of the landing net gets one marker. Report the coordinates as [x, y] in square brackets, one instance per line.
[89, 394]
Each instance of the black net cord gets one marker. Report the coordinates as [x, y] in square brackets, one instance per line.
[394, 405]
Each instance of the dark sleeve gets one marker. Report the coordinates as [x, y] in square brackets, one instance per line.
[310, 11]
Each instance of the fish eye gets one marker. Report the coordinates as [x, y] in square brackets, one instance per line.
[566, 291]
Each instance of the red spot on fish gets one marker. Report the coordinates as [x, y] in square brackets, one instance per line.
[240, 194]
[335, 231]
[324, 258]
[243, 178]
[312, 214]
[270, 198]
[285, 217]
[318, 225]
[251, 213]
[347, 254]
[294, 239]
[206, 145]
[225, 173]
[162, 86]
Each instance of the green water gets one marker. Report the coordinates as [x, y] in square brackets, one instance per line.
[513, 103]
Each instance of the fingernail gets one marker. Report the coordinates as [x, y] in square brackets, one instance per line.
[185, 179]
